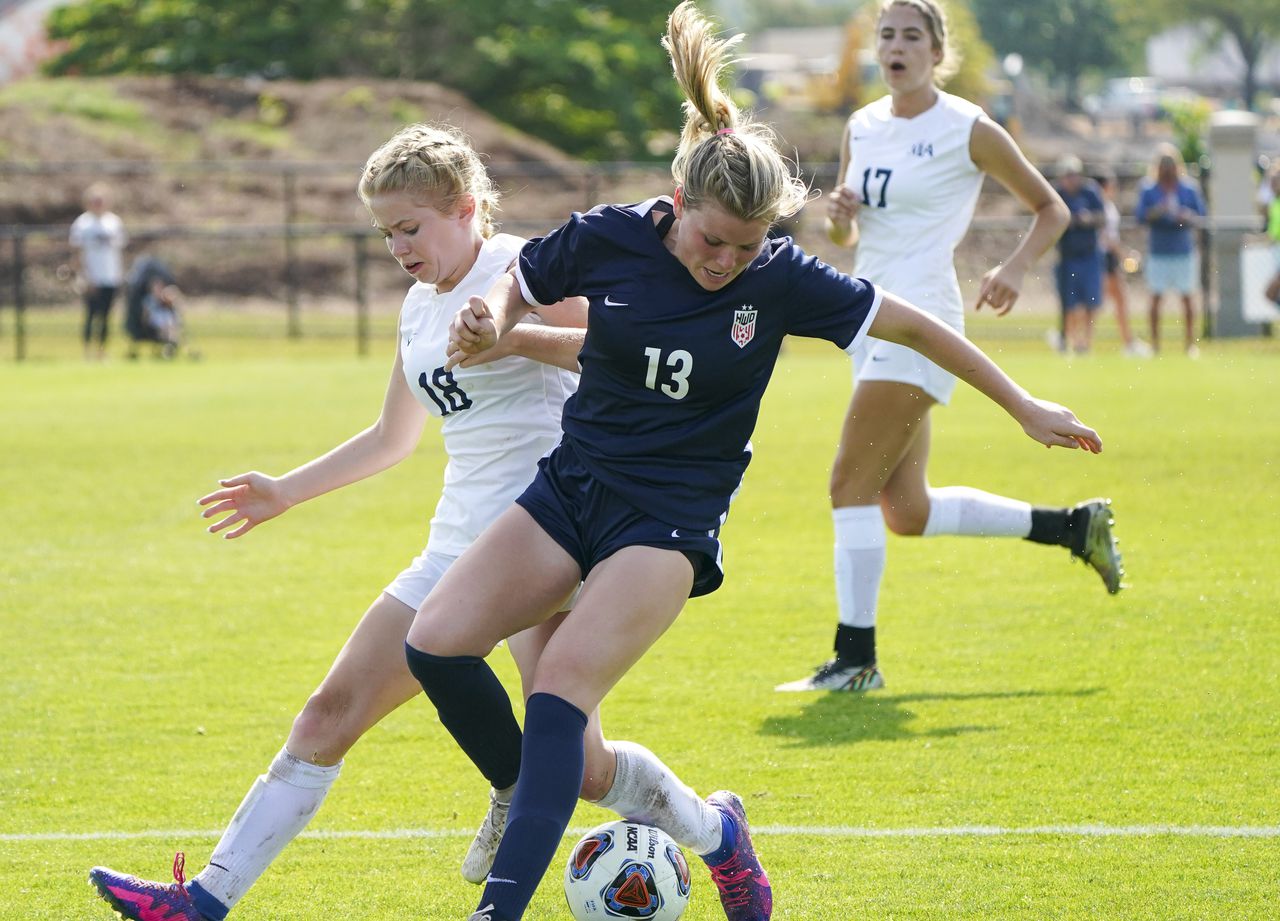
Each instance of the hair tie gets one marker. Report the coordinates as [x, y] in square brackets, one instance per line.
[724, 131]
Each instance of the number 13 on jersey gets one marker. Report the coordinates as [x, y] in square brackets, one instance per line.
[678, 365]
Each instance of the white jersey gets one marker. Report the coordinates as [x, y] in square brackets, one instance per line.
[918, 188]
[499, 418]
[101, 239]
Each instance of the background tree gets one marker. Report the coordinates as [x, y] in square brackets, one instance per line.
[590, 77]
[1065, 39]
[1252, 26]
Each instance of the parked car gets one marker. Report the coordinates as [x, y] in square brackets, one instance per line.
[1125, 98]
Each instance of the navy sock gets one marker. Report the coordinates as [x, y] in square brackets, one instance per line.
[1052, 526]
[474, 707]
[208, 906]
[856, 645]
[728, 838]
[550, 777]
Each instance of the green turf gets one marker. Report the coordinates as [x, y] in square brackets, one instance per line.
[150, 671]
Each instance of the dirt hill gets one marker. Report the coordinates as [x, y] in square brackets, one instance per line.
[203, 127]
[190, 156]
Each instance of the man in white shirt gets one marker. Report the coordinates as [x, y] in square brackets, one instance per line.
[98, 239]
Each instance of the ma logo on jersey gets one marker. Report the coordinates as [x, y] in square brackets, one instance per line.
[744, 325]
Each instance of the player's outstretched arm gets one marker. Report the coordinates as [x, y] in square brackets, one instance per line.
[1048, 423]
[247, 500]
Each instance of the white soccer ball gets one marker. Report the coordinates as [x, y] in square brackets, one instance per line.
[626, 870]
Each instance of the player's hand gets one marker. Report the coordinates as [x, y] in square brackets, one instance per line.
[246, 500]
[1000, 288]
[842, 205]
[456, 358]
[472, 330]
[1054, 425]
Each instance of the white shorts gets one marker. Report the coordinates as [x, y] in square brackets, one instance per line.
[878, 360]
[1171, 273]
[413, 585]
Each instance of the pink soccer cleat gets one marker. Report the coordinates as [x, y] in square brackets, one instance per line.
[744, 886]
[142, 900]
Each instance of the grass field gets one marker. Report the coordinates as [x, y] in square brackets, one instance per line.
[1042, 750]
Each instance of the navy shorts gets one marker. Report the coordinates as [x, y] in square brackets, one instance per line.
[591, 522]
[1080, 281]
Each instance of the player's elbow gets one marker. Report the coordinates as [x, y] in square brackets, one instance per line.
[1057, 214]
[392, 442]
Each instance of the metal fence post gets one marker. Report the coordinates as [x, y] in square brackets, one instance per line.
[291, 252]
[362, 301]
[19, 301]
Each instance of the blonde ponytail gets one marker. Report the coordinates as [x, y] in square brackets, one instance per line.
[724, 156]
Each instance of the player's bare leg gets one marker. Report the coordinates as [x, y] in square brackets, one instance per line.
[367, 681]
[627, 603]
[884, 420]
[1189, 326]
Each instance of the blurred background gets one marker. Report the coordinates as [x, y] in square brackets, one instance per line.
[230, 135]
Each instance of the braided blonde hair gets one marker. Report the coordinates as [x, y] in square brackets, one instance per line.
[434, 162]
[724, 156]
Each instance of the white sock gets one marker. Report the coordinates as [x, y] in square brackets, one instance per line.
[860, 541]
[647, 791]
[277, 807]
[965, 510]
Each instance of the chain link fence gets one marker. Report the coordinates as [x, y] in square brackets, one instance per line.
[279, 252]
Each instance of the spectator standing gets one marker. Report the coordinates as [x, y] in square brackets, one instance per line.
[1113, 281]
[1171, 207]
[98, 240]
[1079, 269]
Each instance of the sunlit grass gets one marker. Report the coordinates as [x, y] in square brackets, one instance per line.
[150, 671]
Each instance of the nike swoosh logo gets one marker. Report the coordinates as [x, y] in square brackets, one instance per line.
[498, 879]
[676, 533]
[612, 303]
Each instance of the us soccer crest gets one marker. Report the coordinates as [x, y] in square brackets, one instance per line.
[744, 325]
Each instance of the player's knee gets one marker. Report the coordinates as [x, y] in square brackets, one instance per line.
[598, 769]
[847, 487]
[905, 519]
[595, 785]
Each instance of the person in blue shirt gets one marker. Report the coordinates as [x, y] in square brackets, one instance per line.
[689, 300]
[1171, 207]
[1079, 268]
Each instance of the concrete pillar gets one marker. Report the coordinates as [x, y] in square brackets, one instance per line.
[1232, 209]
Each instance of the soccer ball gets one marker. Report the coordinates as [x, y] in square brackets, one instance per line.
[626, 870]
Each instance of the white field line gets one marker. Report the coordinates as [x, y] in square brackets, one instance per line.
[809, 831]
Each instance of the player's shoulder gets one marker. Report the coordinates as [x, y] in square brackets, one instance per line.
[498, 252]
[874, 114]
[606, 229]
[638, 214]
[784, 261]
[959, 108]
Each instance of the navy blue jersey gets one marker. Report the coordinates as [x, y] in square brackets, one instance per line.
[673, 374]
[1078, 239]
